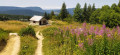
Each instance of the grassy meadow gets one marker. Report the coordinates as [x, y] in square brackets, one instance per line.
[12, 25]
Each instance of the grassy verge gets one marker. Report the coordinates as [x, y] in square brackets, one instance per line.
[3, 38]
[28, 45]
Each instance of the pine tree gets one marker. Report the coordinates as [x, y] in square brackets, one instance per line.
[89, 8]
[93, 7]
[77, 13]
[63, 12]
[46, 16]
[119, 4]
[84, 14]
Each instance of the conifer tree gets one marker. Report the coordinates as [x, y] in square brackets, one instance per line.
[84, 14]
[46, 16]
[93, 7]
[77, 13]
[63, 12]
[89, 12]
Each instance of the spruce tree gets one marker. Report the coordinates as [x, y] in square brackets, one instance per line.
[46, 16]
[89, 12]
[77, 13]
[93, 7]
[63, 12]
[84, 14]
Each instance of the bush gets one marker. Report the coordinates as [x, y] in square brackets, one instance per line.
[27, 31]
[108, 16]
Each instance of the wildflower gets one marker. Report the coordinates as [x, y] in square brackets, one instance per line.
[101, 32]
[85, 33]
[80, 45]
[113, 30]
[104, 26]
[91, 31]
[80, 29]
[78, 33]
[67, 28]
[118, 30]
[55, 32]
[90, 41]
[84, 24]
[109, 35]
[96, 31]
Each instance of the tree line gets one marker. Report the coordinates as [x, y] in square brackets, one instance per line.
[109, 15]
[5, 17]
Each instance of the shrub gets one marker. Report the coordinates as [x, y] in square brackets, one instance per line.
[27, 31]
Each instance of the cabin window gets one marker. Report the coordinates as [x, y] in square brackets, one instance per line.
[33, 21]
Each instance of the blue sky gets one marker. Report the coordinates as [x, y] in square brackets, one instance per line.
[55, 4]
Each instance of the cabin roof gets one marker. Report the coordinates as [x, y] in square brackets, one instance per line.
[36, 18]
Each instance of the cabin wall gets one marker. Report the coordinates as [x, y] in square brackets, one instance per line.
[34, 22]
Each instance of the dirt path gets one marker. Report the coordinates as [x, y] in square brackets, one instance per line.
[13, 45]
[39, 47]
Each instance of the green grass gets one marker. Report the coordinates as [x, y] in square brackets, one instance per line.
[28, 45]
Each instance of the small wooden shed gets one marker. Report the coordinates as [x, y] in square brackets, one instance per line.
[38, 20]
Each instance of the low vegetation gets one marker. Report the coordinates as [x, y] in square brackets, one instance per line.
[28, 45]
[3, 38]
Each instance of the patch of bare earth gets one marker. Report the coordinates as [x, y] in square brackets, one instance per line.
[39, 47]
[13, 45]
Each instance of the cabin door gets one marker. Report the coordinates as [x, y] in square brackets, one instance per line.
[40, 23]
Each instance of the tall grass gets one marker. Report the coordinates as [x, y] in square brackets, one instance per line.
[81, 40]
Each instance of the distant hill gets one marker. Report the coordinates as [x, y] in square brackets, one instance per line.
[22, 12]
[28, 11]
[35, 9]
